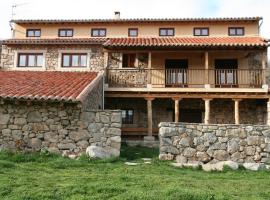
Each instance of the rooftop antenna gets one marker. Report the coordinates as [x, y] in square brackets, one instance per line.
[13, 13]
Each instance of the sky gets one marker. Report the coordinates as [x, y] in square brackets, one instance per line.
[87, 9]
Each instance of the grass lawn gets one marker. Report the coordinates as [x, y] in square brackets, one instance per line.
[43, 176]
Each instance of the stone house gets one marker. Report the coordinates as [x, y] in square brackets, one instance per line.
[56, 111]
[201, 70]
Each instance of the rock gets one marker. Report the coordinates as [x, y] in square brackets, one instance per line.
[250, 151]
[221, 155]
[116, 117]
[20, 121]
[102, 153]
[84, 144]
[210, 137]
[219, 166]
[4, 118]
[6, 132]
[35, 143]
[253, 140]
[203, 156]
[165, 141]
[165, 156]
[168, 132]
[16, 134]
[267, 148]
[72, 156]
[233, 146]
[177, 164]
[79, 135]
[104, 119]
[34, 116]
[131, 163]
[51, 137]
[146, 159]
[169, 149]
[181, 159]
[185, 142]
[187, 165]
[189, 152]
[254, 166]
[232, 165]
[114, 131]
[66, 146]
[53, 150]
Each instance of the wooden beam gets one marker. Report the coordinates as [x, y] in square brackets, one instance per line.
[206, 67]
[236, 111]
[176, 109]
[207, 110]
[149, 116]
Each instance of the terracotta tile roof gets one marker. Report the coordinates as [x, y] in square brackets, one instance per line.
[56, 41]
[187, 42]
[53, 21]
[52, 86]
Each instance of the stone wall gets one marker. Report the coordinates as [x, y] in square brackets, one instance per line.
[58, 128]
[212, 143]
[52, 55]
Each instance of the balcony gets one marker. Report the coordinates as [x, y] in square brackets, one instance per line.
[185, 78]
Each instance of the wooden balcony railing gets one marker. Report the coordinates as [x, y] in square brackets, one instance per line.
[242, 78]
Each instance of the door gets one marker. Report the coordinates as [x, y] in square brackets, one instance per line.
[176, 72]
[226, 72]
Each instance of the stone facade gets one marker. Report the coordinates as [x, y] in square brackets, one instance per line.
[212, 143]
[52, 55]
[57, 127]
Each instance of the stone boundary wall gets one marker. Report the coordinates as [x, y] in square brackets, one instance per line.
[58, 128]
[187, 143]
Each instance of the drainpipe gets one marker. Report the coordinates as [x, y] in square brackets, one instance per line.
[260, 24]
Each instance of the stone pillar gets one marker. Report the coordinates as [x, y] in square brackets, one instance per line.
[206, 71]
[207, 110]
[236, 111]
[268, 112]
[176, 109]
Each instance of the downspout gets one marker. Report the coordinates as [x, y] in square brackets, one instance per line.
[260, 24]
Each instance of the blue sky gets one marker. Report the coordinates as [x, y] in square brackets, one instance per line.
[133, 9]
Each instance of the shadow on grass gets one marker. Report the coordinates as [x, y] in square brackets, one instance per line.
[137, 152]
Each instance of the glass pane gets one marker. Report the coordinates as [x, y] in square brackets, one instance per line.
[133, 32]
[204, 31]
[31, 60]
[130, 112]
[39, 60]
[30, 33]
[163, 32]
[239, 31]
[170, 32]
[66, 61]
[232, 31]
[75, 60]
[22, 60]
[69, 33]
[83, 60]
[123, 114]
[102, 33]
[37, 33]
[62, 33]
[95, 32]
[197, 32]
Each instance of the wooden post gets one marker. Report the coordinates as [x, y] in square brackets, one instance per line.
[236, 111]
[264, 65]
[206, 66]
[268, 112]
[149, 116]
[106, 59]
[149, 66]
[176, 109]
[207, 110]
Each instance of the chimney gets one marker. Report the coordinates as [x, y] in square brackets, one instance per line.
[116, 15]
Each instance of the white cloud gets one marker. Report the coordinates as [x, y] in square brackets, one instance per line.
[133, 9]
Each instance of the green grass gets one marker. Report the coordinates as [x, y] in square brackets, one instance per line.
[44, 176]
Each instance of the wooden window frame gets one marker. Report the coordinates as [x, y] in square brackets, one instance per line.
[173, 29]
[129, 66]
[66, 30]
[133, 29]
[200, 28]
[27, 59]
[127, 119]
[98, 29]
[243, 28]
[34, 30]
[70, 60]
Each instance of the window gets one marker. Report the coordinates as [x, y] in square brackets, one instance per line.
[127, 116]
[129, 60]
[236, 31]
[101, 32]
[132, 32]
[33, 33]
[74, 60]
[30, 60]
[65, 33]
[201, 31]
[166, 32]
